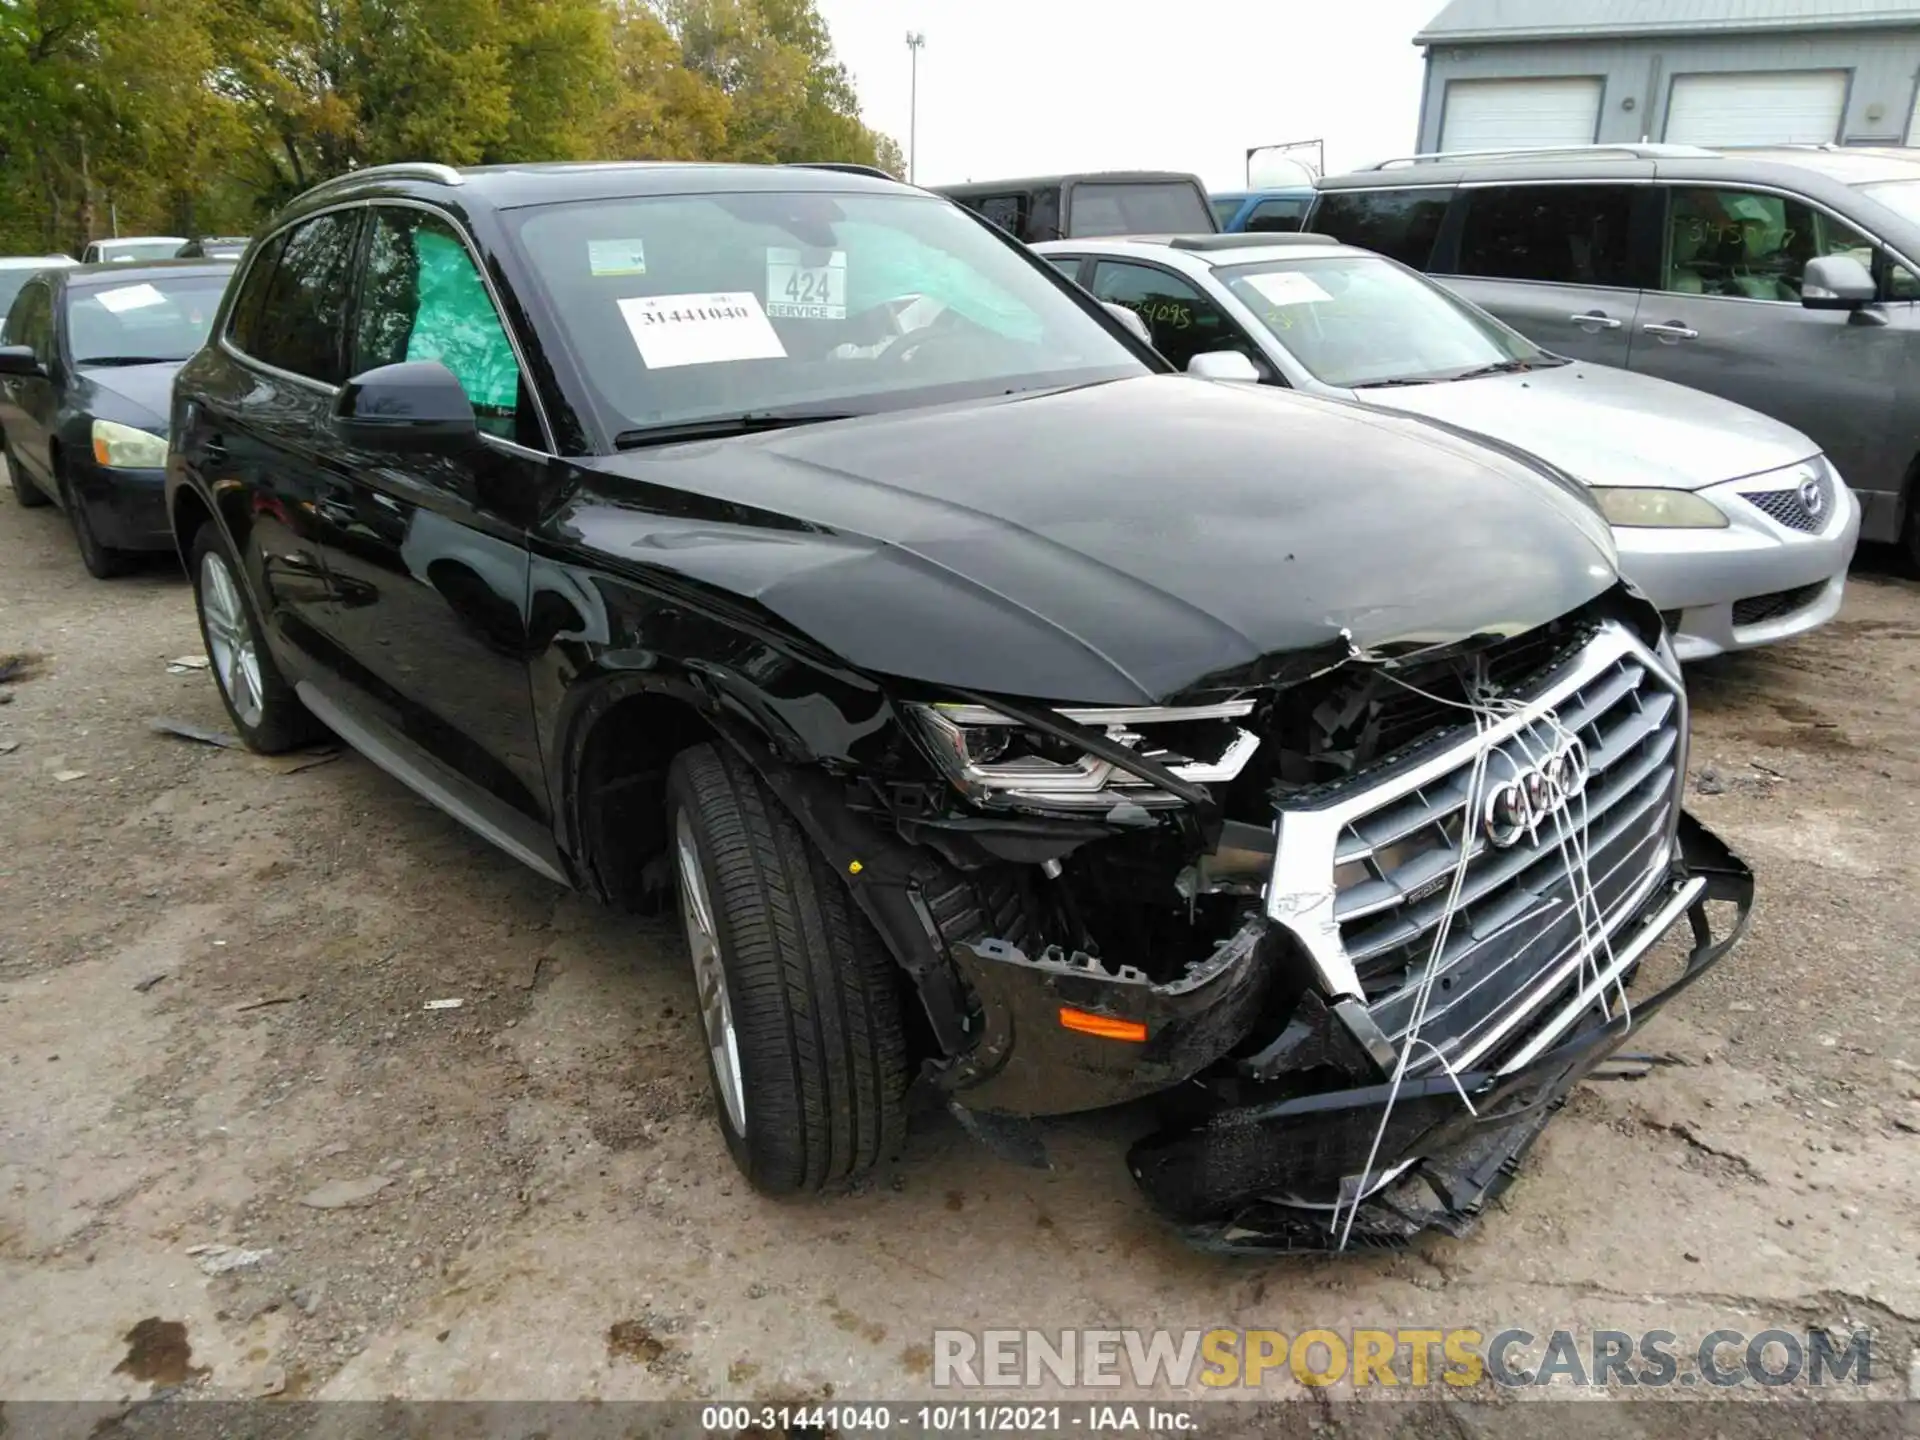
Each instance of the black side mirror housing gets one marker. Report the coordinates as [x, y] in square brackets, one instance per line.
[417, 406]
[19, 360]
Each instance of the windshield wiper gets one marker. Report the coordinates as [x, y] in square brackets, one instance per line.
[1509, 367]
[1396, 380]
[723, 426]
[132, 360]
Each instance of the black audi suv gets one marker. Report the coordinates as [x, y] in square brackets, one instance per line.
[1005, 715]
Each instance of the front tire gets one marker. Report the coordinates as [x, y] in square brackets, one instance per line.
[799, 999]
[263, 708]
[103, 562]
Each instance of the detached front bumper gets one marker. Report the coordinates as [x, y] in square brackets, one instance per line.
[1287, 1175]
[1281, 1174]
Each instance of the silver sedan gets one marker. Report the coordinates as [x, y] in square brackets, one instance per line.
[1733, 524]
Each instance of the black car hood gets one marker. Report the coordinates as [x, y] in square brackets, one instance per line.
[131, 394]
[1115, 544]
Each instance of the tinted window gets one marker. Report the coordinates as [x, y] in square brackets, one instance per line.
[298, 326]
[1400, 224]
[1277, 215]
[243, 320]
[12, 282]
[1567, 234]
[422, 298]
[166, 317]
[1748, 245]
[1067, 265]
[30, 322]
[1009, 212]
[1225, 210]
[685, 307]
[1163, 207]
[1182, 321]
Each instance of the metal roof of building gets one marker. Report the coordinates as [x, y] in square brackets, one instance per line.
[1479, 21]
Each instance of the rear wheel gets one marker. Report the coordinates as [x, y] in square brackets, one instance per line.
[25, 493]
[262, 706]
[799, 1000]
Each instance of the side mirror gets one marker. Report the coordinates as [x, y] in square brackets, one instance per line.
[415, 406]
[21, 361]
[1223, 365]
[1836, 282]
[1131, 319]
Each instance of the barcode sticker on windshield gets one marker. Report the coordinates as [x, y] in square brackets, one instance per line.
[1288, 287]
[616, 257]
[130, 297]
[675, 330]
[798, 290]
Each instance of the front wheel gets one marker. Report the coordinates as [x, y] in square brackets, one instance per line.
[798, 997]
[103, 562]
[262, 706]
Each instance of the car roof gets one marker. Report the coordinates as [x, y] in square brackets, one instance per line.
[36, 262]
[107, 240]
[1205, 252]
[87, 277]
[508, 187]
[1788, 164]
[1076, 177]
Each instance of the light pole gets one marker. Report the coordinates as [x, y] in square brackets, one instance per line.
[914, 41]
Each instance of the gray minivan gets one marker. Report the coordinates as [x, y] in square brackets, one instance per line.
[1782, 278]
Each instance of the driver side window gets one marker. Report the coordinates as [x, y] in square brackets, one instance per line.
[1748, 244]
[1182, 321]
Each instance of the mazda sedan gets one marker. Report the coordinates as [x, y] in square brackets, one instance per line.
[1735, 525]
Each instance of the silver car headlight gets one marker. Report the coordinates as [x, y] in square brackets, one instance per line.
[1658, 509]
[995, 760]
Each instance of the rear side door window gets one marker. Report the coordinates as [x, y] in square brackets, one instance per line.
[422, 298]
[1009, 212]
[1276, 215]
[1183, 322]
[1560, 234]
[1400, 224]
[302, 314]
[1748, 244]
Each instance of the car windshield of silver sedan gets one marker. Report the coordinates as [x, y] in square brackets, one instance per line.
[1361, 322]
[141, 322]
[685, 314]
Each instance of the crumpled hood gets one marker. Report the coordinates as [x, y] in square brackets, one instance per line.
[132, 394]
[1610, 427]
[1113, 544]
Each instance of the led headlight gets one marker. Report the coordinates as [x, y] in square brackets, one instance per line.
[1658, 509]
[995, 760]
[124, 448]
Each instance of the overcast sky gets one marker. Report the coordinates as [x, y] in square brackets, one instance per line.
[1025, 87]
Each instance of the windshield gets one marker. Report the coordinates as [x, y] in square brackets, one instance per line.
[163, 318]
[1900, 196]
[689, 308]
[1357, 320]
[1225, 209]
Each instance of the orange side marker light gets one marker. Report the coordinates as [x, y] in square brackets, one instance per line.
[1106, 1027]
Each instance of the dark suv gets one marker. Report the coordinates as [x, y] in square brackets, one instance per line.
[1003, 710]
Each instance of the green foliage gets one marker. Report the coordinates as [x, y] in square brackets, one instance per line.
[201, 116]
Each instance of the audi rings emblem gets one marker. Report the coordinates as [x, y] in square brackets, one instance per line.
[1518, 806]
[1813, 499]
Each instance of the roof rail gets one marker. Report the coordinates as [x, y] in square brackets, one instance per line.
[846, 167]
[1249, 240]
[1539, 152]
[399, 170]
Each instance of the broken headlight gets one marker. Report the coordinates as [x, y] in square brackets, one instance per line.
[995, 760]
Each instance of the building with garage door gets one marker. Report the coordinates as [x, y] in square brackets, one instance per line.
[1504, 73]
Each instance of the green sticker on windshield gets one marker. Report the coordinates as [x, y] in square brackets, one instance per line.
[616, 257]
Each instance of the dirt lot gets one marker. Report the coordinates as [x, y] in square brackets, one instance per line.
[214, 981]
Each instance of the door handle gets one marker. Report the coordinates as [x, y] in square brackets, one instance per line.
[1672, 330]
[1594, 321]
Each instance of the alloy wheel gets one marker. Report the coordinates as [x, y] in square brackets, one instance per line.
[710, 975]
[230, 645]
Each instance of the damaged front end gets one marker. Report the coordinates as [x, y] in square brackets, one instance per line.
[1364, 919]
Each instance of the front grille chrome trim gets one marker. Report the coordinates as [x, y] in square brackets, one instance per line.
[1302, 895]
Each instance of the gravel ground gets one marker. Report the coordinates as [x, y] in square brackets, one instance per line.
[216, 976]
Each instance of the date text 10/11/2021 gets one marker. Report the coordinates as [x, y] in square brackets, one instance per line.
[962, 1419]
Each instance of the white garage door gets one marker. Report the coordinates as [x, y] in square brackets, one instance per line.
[1787, 107]
[1505, 114]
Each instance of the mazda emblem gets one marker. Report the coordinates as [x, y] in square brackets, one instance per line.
[1812, 498]
[1518, 806]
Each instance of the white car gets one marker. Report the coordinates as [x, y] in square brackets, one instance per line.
[14, 270]
[1734, 524]
[132, 247]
